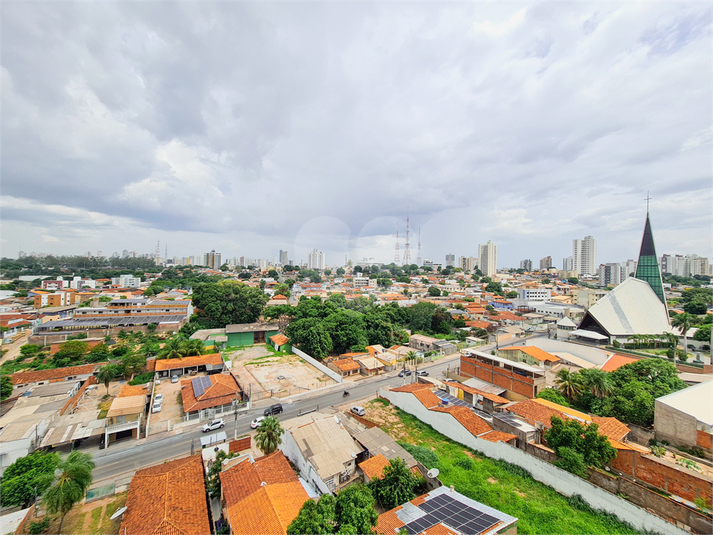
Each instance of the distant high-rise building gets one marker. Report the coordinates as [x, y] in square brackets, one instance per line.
[212, 260]
[315, 259]
[584, 254]
[628, 269]
[647, 268]
[125, 253]
[567, 264]
[526, 264]
[488, 258]
[450, 260]
[468, 263]
[609, 274]
[545, 263]
[283, 258]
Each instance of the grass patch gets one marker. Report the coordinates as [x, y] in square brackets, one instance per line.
[498, 484]
[103, 409]
[142, 379]
[108, 525]
[96, 516]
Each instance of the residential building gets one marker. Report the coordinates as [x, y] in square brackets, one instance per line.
[443, 510]
[126, 413]
[57, 298]
[488, 258]
[545, 263]
[216, 392]
[526, 264]
[609, 274]
[363, 282]
[211, 363]
[587, 298]
[260, 496]
[517, 378]
[534, 294]
[568, 264]
[55, 284]
[584, 255]
[283, 258]
[685, 418]
[450, 260]
[168, 498]
[628, 269]
[212, 260]
[126, 281]
[534, 356]
[468, 263]
[315, 260]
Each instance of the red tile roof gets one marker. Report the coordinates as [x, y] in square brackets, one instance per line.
[263, 497]
[168, 499]
[465, 388]
[534, 352]
[374, 466]
[56, 373]
[497, 436]
[615, 362]
[468, 419]
[187, 362]
[412, 387]
[223, 391]
[346, 365]
[279, 339]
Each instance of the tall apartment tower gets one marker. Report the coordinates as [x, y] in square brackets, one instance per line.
[283, 258]
[584, 256]
[488, 258]
[212, 260]
[568, 263]
[526, 264]
[545, 263]
[468, 263]
[450, 260]
[315, 259]
[609, 274]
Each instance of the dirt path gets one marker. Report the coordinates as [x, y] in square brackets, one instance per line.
[13, 350]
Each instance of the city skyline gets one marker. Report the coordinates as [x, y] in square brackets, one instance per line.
[528, 125]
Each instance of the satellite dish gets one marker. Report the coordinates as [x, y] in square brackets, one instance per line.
[433, 473]
[118, 513]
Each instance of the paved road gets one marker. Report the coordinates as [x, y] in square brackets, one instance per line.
[129, 455]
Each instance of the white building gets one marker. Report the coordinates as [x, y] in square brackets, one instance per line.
[361, 282]
[315, 259]
[628, 269]
[468, 263]
[488, 258]
[534, 294]
[567, 264]
[584, 256]
[126, 281]
[609, 274]
[450, 260]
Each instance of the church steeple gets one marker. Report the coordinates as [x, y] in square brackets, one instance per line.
[648, 267]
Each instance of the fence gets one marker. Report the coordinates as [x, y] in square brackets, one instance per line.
[562, 481]
[321, 367]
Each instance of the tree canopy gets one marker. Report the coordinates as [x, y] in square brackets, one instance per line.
[397, 486]
[573, 441]
[352, 512]
[227, 302]
[20, 479]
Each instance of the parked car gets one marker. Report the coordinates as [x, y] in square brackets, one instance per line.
[403, 373]
[174, 378]
[423, 373]
[273, 409]
[257, 422]
[156, 407]
[359, 411]
[213, 425]
[158, 399]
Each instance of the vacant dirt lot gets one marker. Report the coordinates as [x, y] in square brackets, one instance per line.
[171, 408]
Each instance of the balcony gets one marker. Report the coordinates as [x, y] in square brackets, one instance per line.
[117, 428]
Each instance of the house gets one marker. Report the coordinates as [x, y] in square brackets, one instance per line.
[125, 413]
[685, 418]
[322, 450]
[379, 449]
[518, 378]
[211, 363]
[445, 511]
[344, 366]
[369, 365]
[531, 355]
[42, 377]
[280, 342]
[423, 343]
[260, 496]
[217, 392]
[478, 398]
[168, 498]
[248, 334]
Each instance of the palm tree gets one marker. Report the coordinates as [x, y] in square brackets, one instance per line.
[597, 382]
[684, 322]
[570, 384]
[174, 347]
[73, 477]
[105, 375]
[269, 435]
[193, 347]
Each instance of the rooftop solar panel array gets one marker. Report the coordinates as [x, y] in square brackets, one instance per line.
[109, 320]
[454, 401]
[457, 515]
[200, 385]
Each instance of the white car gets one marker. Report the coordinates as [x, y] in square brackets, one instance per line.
[156, 407]
[257, 422]
[158, 399]
[213, 425]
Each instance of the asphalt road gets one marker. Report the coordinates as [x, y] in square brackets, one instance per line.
[129, 455]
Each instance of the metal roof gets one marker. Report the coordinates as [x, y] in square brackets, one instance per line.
[110, 320]
[251, 327]
[378, 442]
[692, 401]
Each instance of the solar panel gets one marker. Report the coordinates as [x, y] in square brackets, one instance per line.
[453, 513]
[198, 389]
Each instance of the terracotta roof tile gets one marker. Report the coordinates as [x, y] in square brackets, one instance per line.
[535, 412]
[611, 427]
[534, 352]
[223, 391]
[56, 373]
[388, 523]
[497, 436]
[428, 398]
[346, 365]
[168, 499]
[374, 467]
[468, 419]
[199, 360]
[132, 390]
[615, 362]
[412, 387]
[440, 529]
[279, 339]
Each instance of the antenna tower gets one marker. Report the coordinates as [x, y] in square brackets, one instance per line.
[165, 257]
[407, 252]
[396, 253]
[418, 258]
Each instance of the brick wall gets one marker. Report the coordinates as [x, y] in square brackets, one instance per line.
[368, 423]
[497, 376]
[241, 444]
[704, 440]
[681, 482]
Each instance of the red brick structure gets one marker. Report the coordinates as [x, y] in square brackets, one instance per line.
[516, 377]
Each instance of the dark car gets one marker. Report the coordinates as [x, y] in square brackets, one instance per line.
[273, 409]
[423, 373]
[404, 372]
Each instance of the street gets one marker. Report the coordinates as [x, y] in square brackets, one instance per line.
[129, 455]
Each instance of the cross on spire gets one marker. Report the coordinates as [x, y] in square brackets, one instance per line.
[648, 198]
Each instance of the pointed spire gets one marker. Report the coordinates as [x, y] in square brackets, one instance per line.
[647, 269]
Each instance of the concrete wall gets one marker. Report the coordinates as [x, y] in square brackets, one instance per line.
[321, 367]
[674, 426]
[240, 339]
[562, 481]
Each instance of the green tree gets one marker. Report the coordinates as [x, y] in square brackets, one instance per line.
[338, 299]
[582, 439]
[99, 353]
[269, 435]
[494, 287]
[340, 272]
[21, 478]
[683, 322]
[573, 280]
[511, 295]
[434, 291]
[397, 486]
[379, 331]
[107, 374]
[346, 328]
[598, 382]
[70, 352]
[695, 307]
[132, 363]
[703, 334]
[315, 518]
[553, 395]
[309, 335]
[572, 461]
[5, 387]
[354, 510]
[175, 347]
[228, 302]
[212, 480]
[569, 383]
[29, 350]
[421, 316]
[72, 481]
[273, 274]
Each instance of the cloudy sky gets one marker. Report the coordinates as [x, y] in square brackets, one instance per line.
[253, 127]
